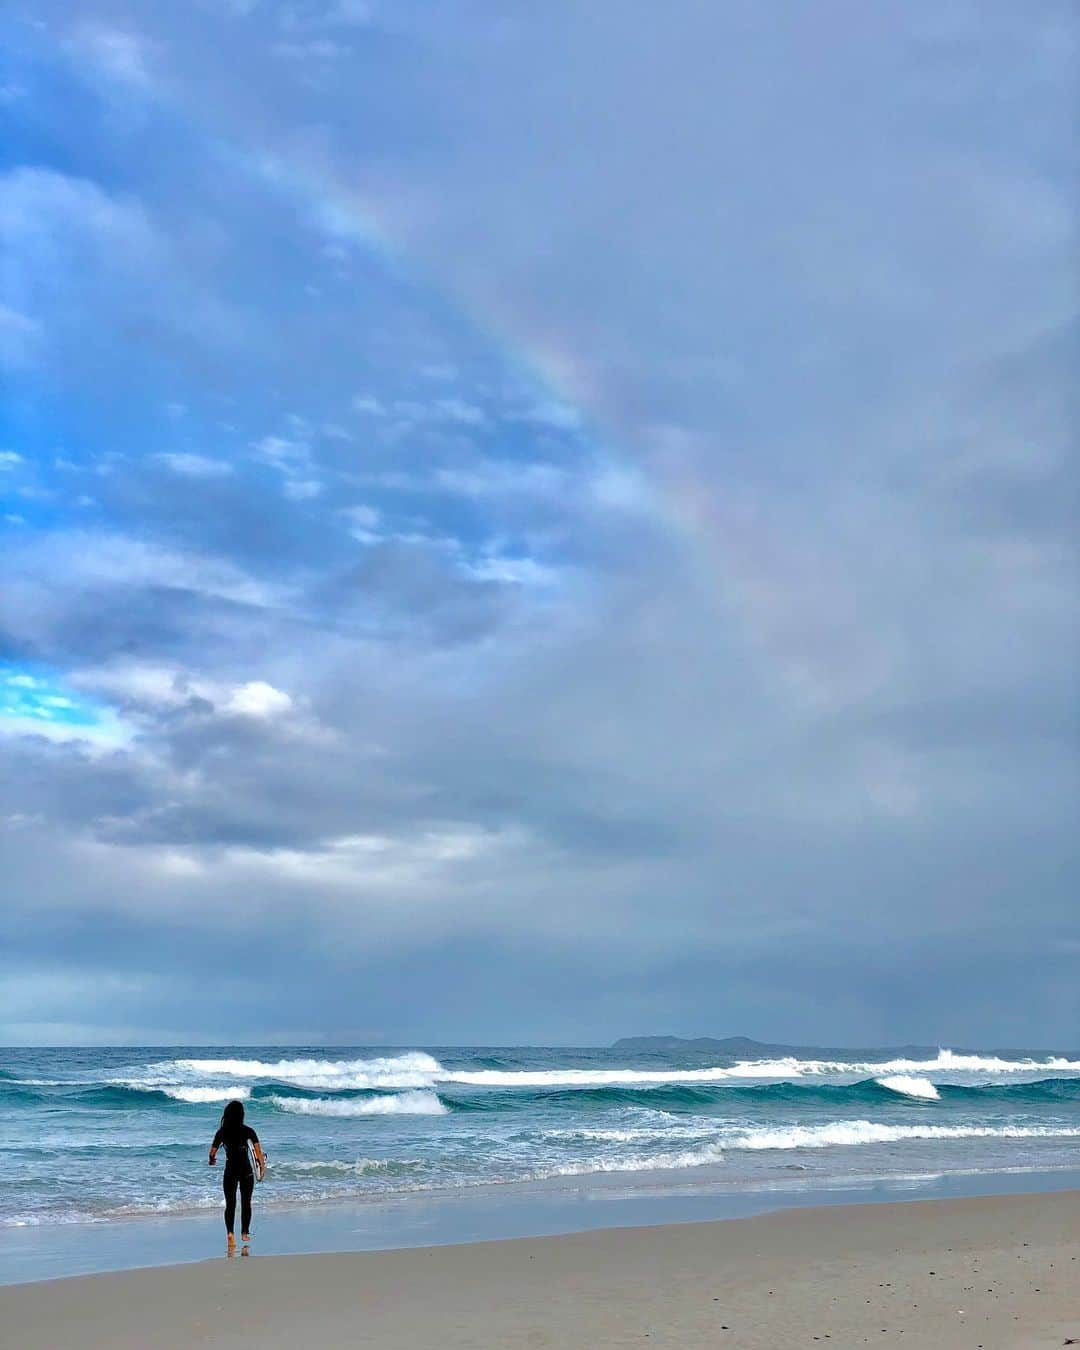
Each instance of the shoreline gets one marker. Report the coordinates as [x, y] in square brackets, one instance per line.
[450, 1217]
[996, 1271]
[706, 1178]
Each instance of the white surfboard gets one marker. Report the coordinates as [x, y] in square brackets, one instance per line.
[256, 1170]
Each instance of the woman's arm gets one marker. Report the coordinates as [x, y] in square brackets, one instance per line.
[214, 1148]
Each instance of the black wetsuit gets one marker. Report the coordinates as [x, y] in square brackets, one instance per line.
[237, 1173]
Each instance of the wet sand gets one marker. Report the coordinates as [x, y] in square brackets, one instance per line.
[985, 1273]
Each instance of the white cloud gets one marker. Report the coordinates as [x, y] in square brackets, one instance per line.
[457, 410]
[282, 451]
[317, 49]
[101, 559]
[156, 686]
[423, 863]
[194, 466]
[367, 403]
[502, 478]
[106, 733]
[20, 339]
[512, 571]
[560, 416]
[441, 410]
[118, 54]
[258, 699]
[302, 489]
[9, 459]
[166, 687]
[361, 516]
[97, 262]
[351, 11]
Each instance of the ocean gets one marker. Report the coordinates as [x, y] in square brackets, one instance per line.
[101, 1135]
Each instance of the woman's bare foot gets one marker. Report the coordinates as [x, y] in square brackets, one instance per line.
[245, 1237]
[230, 1245]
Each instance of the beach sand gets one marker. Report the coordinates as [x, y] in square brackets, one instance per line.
[989, 1272]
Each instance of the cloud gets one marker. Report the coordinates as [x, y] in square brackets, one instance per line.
[41, 708]
[84, 258]
[495, 478]
[560, 416]
[302, 490]
[649, 572]
[194, 466]
[282, 452]
[122, 55]
[258, 699]
[20, 338]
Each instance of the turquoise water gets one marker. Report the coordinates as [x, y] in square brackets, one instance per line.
[95, 1135]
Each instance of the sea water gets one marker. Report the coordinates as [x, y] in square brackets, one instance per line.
[98, 1135]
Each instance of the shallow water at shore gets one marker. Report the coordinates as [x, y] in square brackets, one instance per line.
[531, 1209]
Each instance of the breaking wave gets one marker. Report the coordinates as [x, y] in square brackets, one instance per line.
[786, 1068]
[398, 1104]
[208, 1094]
[909, 1086]
[411, 1070]
[836, 1134]
[334, 1167]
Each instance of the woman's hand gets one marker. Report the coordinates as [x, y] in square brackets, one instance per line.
[212, 1160]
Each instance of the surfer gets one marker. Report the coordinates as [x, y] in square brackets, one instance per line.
[243, 1153]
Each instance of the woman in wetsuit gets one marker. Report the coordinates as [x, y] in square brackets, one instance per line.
[235, 1136]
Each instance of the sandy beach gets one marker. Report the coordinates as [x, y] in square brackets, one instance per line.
[985, 1273]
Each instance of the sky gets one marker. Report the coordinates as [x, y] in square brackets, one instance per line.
[538, 523]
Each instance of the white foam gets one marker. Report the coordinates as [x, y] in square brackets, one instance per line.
[584, 1078]
[411, 1070]
[183, 1092]
[204, 1094]
[907, 1085]
[399, 1104]
[415, 1069]
[653, 1162]
[837, 1134]
[848, 1132]
[762, 1069]
[361, 1167]
[635, 1134]
[946, 1061]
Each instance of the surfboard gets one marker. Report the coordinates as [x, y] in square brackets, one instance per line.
[253, 1162]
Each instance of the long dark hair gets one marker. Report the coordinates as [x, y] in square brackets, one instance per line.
[233, 1116]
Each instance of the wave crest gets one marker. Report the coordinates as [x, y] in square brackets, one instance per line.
[836, 1134]
[907, 1085]
[396, 1104]
[787, 1067]
[411, 1070]
[331, 1167]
